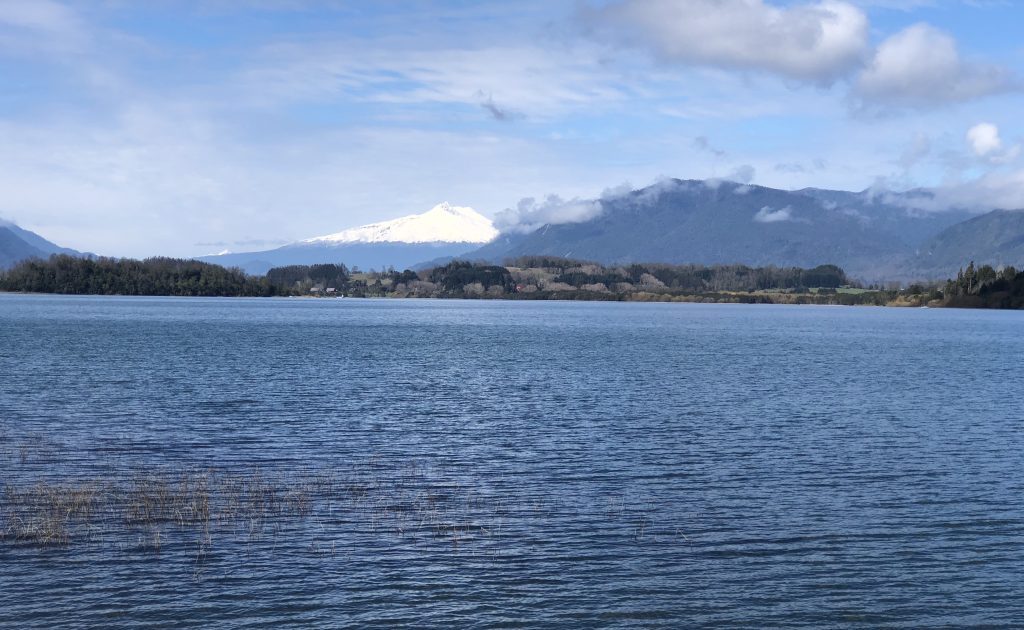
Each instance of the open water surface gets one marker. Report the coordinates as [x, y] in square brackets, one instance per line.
[518, 464]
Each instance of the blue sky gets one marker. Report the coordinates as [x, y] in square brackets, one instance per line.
[185, 128]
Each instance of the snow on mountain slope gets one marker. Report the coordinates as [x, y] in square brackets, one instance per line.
[443, 223]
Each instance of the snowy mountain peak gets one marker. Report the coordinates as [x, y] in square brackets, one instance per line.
[444, 206]
[444, 223]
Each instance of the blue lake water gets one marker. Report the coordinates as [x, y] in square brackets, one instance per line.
[525, 464]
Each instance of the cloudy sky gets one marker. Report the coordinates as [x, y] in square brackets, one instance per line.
[184, 128]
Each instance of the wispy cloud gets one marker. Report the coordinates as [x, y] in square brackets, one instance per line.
[529, 79]
[39, 26]
[997, 190]
[702, 143]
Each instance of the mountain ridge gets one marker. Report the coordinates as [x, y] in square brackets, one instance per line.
[18, 244]
[995, 238]
[722, 222]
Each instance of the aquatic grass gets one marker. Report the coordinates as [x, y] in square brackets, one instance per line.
[47, 512]
[52, 496]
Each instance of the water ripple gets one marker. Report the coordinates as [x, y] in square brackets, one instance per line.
[508, 465]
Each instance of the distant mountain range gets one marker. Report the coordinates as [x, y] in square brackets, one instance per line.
[17, 244]
[444, 231]
[874, 237]
[710, 222]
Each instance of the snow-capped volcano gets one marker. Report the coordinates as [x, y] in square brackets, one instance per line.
[444, 223]
[443, 231]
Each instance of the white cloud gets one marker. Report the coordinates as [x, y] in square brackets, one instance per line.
[997, 190]
[986, 143]
[743, 174]
[767, 215]
[920, 66]
[817, 42]
[529, 215]
[984, 139]
[651, 194]
[1001, 189]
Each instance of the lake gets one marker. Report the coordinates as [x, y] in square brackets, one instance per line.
[244, 463]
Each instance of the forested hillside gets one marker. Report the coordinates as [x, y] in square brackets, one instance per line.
[713, 223]
[986, 287]
[109, 276]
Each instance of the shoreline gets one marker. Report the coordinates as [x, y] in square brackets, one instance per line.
[697, 299]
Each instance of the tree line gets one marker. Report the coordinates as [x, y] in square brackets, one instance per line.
[123, 276]
[985, 287]
[528, 277]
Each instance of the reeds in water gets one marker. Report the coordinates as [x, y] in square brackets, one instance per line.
[47, 502]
